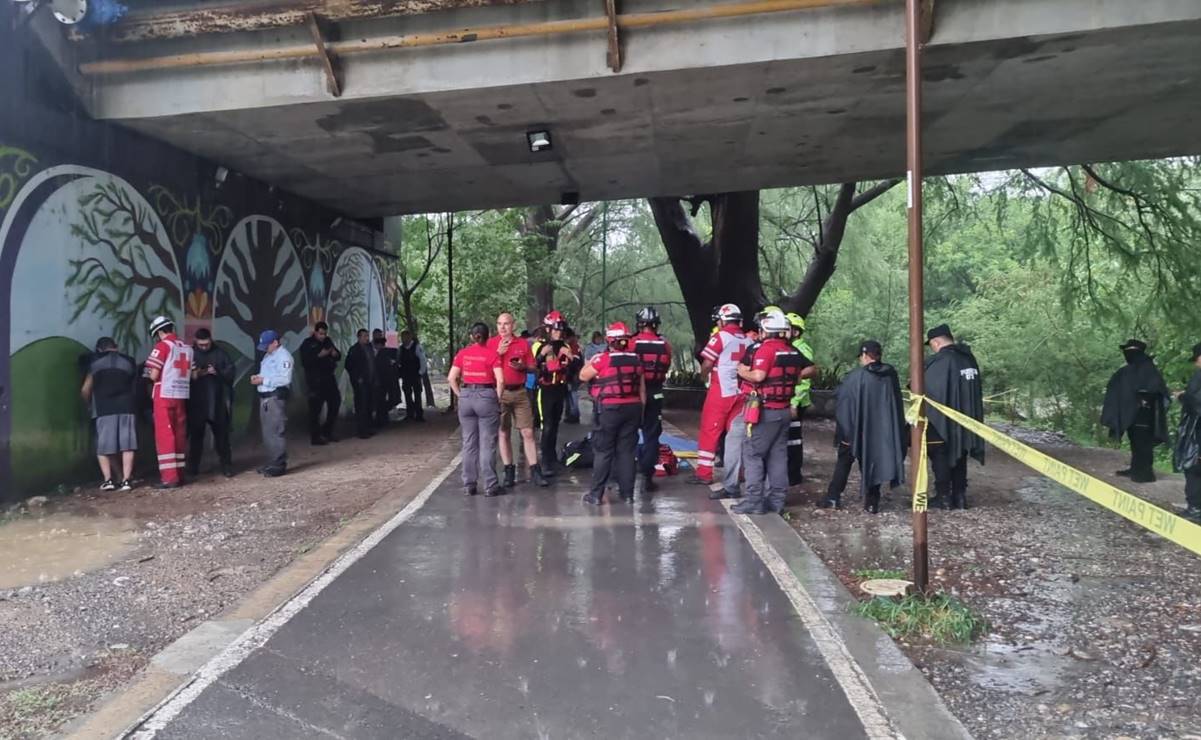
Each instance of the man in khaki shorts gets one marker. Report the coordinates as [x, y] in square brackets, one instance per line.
[516, 359]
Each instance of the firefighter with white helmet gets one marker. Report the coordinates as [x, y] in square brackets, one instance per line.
[775, 369]
[620, 390]
[170, 367]
[719, 360]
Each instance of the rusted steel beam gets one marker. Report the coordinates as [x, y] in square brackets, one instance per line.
[257, 15]
[614, 57]
[625, 21]
[331, 78]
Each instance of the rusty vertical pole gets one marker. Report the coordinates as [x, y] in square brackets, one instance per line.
[917, 380]
[450, 295]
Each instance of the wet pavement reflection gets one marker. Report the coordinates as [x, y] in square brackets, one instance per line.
[532, 615]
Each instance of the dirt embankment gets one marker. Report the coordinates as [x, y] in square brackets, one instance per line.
[104, 581]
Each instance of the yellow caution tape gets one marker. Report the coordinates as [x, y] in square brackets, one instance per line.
[1143, 513]
[921, 485]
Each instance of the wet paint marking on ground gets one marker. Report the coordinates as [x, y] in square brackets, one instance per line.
[530, 616]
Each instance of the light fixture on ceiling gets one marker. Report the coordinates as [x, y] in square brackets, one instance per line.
[336, 223]
[220, 175]
[539, 141]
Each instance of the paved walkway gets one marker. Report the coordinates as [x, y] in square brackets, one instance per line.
[532, 615]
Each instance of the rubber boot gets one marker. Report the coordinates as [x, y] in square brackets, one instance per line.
[871, 502]
[510, 476]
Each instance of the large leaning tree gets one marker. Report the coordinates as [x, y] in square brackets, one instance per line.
[725, 267]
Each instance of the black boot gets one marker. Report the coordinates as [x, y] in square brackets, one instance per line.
[537, 477]
[648, 483]
[470, 490]
[494, 492]
[871, 502]
[959, 500]
[830, 502]
[510, 476]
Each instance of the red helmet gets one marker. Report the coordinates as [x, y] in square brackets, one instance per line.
[617, 330]
[555, 320]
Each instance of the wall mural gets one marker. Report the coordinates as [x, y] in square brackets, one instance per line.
[84, 254]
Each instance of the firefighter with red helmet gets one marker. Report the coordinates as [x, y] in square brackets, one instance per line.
[170, 368]
[620, 390]
[555, 361]
[719, 360]
[655, 354]
[775, 369]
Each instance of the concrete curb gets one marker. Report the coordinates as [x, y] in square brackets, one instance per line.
[910, 703]
[175, 664]
[913, 706]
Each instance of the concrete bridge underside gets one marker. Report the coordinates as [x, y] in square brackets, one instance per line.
[799, 97]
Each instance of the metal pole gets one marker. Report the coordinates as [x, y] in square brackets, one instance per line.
[450, 294]
[917, 380]
[604, 262]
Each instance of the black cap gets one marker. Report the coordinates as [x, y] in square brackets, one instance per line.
[1133, 344]
[942, 330]
[871, 347]
[1196, 352]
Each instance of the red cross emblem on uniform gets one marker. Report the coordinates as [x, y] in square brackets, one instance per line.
[182, 365]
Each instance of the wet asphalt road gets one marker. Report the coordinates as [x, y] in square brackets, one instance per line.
[533, 615]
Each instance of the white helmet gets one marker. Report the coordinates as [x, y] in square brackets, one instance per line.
[775, 321]
[729, 312]
[160, 323]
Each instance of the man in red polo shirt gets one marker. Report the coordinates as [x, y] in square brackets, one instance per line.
[516, 359]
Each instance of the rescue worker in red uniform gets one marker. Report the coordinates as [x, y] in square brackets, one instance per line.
[655, 354]
[719, 359]
[775, 369]
[170, 368]
[476, 379]
[555, 362]
[621, 392]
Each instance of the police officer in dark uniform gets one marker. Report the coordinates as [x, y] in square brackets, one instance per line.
[320, 357]
[210, 403]
[621, 393]
[655, 354]
[387, 371]
[360, 366]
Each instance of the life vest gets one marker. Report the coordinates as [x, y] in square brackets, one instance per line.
[803, 396]
[656, 361]
[618, 381]
[779, 386]
[745, 387]
[551, 370]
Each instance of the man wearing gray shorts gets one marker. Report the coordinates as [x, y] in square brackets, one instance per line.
[109, 389]
[476, 379]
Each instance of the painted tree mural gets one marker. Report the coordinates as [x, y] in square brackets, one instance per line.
[127, 271]
[260, 285]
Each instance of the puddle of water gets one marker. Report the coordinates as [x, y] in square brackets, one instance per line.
[53, 547]
[1030, 669]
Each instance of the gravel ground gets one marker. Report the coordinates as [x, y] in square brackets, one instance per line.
[194, 552]
[1094, 624]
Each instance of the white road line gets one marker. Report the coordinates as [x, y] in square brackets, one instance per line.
[255, 637]
[847, 672]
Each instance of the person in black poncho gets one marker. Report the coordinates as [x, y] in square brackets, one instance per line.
[870, 428]
[1136, 402]
[1188, 442]
[953, 380]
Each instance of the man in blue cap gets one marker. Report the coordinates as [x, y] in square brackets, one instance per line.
[274, 382]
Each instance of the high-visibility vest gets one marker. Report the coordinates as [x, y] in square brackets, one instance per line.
[802, 396]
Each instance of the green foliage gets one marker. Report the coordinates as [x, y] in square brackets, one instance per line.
[939, 618]
[871, 574]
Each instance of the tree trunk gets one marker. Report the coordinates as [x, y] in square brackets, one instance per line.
[724, 269]
[541, 231]
[825, 253]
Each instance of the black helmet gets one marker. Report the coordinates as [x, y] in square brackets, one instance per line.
[648, 317]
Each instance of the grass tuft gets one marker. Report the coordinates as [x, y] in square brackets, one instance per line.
[940, 618]
[872, 574]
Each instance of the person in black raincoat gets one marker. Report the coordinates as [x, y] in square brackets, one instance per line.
[953, 380]
[1136, 402]
[360, 366]
[870, 427]
[1187, 457]
[387, 373]
[210, 402]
